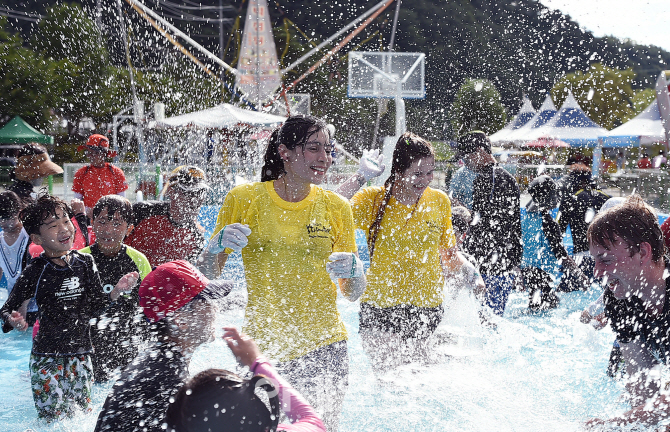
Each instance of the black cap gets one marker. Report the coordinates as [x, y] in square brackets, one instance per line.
[470, 142]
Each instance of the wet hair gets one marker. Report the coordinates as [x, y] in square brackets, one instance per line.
[34, 216]
[634, 222]
[10, 205]
[461, 219]
[295, 132]
[114, 204]
[409, 148]
[219, 400]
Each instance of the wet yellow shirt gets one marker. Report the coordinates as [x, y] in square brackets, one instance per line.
[406, 266]
[292, 302]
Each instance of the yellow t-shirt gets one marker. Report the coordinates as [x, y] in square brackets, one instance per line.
[292, 302]
[406, 266]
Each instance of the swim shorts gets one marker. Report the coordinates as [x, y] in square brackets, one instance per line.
[61, 385]
[409, 321]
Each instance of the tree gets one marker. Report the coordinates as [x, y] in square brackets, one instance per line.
[477, 106]
[29, 84]
[68, 36]
[603, 93]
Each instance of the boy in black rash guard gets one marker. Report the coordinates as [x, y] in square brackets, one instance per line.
[67, 288]
[117, 333]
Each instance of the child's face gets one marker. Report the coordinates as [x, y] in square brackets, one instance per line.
[56, 234]
[11, 223]
[96, 156]
[110, 232]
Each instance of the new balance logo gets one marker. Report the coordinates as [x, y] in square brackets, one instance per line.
[71, 283]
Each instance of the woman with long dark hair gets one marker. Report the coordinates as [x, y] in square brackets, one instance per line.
[294, 238]
[412, 245]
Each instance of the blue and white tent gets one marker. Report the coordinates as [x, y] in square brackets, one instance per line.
[525, 114]
[543, 115]
[645, 128]
[570, 124]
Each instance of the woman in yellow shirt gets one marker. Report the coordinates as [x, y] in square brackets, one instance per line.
[410, 239]
[295, 237]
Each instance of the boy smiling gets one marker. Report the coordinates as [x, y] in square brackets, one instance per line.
[116, 333]
[67, 288]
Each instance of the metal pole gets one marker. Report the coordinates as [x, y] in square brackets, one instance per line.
[333, 37]
[221, 34]
[395, 24]
[182, 35]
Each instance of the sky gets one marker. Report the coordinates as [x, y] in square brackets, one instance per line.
[644, 21]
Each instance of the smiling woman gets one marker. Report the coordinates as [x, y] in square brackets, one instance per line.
[410, 237]
[295, 238]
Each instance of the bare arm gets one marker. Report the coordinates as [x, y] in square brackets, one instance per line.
[454, 265]
[211, 265]
[349, 188]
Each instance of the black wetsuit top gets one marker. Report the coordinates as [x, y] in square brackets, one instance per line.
[630, 321]
[573, 212]
[120, 329]
[140, 398]
[67, 298]
[495, 235]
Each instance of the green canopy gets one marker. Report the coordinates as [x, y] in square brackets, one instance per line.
[17, 131]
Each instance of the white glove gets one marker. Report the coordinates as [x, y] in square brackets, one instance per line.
[344, 265]
[233, 236]
[371, 165]
[470, 273]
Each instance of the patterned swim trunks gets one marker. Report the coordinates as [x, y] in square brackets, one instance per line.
[61, 385]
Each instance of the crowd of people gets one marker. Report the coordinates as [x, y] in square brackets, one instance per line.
[127, 292]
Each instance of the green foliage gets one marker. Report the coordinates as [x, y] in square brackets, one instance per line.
[29, 84]
[603, 93]
[477, 106]
[68, 36]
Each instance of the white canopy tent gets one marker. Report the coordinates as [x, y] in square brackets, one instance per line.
[543, 115]
[525, 114]
[643, 129]
[220, 117]
[570, 124]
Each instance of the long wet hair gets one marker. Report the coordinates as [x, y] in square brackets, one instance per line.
[295, 132]
[409, 148]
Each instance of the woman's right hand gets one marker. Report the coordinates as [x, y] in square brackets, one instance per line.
[233, 236]
[243, 347]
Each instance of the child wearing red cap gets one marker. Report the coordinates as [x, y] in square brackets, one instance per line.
[99, 178]
[177, 301]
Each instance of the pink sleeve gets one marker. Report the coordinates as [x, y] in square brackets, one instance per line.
[298, 410]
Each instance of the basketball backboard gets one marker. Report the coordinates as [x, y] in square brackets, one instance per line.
[385, 74]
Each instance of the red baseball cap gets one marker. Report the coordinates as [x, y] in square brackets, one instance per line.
[100, 141]
[173, 285]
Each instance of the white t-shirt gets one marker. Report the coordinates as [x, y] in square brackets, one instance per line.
[11, 257]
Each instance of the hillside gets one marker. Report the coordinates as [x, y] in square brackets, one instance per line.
[521, 46]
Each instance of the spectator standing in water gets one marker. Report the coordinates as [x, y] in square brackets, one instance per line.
[98, 178]
[410, 239]
[178, 302]
[495, 234]
[627, 245]
[14, 255]
[577, 210]
[294, 237]
[117, 333]
[169, 230]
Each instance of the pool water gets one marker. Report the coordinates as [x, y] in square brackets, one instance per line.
[534, 372]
